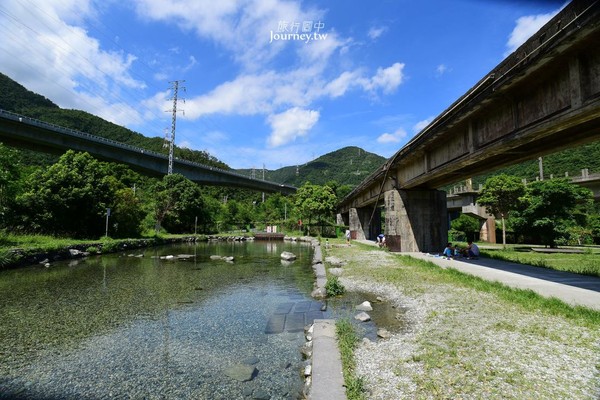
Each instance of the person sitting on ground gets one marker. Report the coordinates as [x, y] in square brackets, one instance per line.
[448, 251]
[458, 252]
[381, 240]
[472, 250]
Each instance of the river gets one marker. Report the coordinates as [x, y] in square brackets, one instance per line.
[133, 325]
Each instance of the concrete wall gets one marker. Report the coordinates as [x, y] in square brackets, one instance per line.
[417, 219]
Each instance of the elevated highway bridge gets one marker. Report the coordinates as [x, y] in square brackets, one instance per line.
[543, 97]
[21, 131]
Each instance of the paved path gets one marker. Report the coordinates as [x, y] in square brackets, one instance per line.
[573, 289]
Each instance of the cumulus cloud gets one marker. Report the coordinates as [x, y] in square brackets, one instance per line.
[386, 79]
[525, 27]
[291, 124]
[63, 62]
[396, 137]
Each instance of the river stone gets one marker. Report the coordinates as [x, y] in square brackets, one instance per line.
[251, 360]
[364, 306]
[287, 256]
[362, 317]
[334, 261]
[241, 372]
[383, 333]
[261, 395]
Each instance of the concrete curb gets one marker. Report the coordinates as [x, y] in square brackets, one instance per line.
[326, 380]
[327, 375]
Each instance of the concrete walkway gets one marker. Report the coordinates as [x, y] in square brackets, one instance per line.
[573, 289]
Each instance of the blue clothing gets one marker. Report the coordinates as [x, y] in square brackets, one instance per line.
[448, 252]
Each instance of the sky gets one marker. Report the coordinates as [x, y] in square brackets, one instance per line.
[263, 83]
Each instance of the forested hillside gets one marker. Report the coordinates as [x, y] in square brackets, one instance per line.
[16, 98]
[346, 166]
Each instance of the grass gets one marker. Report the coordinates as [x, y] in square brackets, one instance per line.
[347, 342]
[587, 263]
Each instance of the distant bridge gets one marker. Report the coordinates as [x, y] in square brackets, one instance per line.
[21, 131]
[542, 98]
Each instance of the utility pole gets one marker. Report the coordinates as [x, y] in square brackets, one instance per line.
[175, 88]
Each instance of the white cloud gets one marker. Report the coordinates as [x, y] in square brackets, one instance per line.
[374, 33]
[291, 124]
[395, 137]
[525, 27]
[387, 79]
[419, 126]
[46, 50]
[242, 27]
[440, 70]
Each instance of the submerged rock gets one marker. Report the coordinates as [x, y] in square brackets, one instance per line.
[241, 372]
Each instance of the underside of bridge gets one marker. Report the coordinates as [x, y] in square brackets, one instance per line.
[542, 98]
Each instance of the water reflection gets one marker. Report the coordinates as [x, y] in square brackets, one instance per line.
[138, 326]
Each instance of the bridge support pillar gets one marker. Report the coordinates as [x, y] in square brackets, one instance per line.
[416, 220]
[365, 223]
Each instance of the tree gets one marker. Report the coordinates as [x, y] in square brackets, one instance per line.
[466, 224]
[9, 178]
[178, 202]
[500, 195]
[70, 197]
[552, 208]
[314, 201]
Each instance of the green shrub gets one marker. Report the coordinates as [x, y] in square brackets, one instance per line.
[334, 287]
[92, 250]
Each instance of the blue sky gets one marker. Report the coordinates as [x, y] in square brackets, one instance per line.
[371, 74]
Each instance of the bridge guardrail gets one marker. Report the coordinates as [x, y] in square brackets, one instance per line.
[99, 139]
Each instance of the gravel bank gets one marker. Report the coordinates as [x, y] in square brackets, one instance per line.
[463, 343]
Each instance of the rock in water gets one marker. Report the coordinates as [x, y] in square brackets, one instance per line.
[241, 372]
[362, 317]
[287, 256]
[364, 306]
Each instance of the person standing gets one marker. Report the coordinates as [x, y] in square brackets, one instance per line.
[348, 236]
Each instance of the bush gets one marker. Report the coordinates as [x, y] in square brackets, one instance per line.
[334, 287]
[92, 250]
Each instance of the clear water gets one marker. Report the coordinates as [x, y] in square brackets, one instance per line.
[121, 326]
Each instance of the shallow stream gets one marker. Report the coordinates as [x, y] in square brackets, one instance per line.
[133, 325]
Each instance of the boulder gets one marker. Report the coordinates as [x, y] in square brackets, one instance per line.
[364, 306]
[362, 317]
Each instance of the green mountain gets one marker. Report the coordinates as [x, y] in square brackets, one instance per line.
[16, 98]
[346, 166]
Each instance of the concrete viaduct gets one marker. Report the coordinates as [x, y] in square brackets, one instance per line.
[542, 98]
[20, 131]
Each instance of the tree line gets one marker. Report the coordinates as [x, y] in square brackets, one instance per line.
[79, 196]
[550, 212]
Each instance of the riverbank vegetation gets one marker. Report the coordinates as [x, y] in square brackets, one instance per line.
[468, 338]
